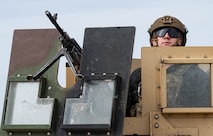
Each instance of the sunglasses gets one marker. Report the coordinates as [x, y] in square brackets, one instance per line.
[173, 33]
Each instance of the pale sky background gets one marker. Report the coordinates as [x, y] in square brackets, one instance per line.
[76, 15]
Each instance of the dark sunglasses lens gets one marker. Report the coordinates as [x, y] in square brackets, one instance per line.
[173, 33]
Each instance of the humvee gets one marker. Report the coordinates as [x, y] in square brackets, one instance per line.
[94, 99]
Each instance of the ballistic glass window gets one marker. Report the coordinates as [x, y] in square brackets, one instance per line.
[24, 107]
[188, 85]
[95, 105]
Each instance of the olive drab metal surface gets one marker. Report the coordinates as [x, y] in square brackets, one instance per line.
[31, 48]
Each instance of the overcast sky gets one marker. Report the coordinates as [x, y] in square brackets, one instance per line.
[75, 16]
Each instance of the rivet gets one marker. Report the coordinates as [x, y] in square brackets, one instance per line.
[88, 133]
[48, 133]
[157, 68]
[156, 116]
[187, 56]
[29, 133]
[10, 133]
[49, 88]
[156, 125]
[108, 133]
[69, 133]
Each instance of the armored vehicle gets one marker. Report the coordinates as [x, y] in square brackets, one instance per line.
[175, 98]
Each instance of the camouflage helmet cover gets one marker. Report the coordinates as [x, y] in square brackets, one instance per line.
[169, 21]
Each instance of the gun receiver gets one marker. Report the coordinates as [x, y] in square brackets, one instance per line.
[70, 49]
[67, 42]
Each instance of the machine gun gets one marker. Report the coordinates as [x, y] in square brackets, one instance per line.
[70, 49]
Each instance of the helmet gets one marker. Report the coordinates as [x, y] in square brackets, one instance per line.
[169, 21]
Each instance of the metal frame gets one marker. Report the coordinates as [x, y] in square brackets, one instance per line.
[186, 60]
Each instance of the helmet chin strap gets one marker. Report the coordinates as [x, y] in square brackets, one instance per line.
[156, 40]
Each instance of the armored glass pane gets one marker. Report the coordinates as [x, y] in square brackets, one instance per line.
[95, 105]
[25, 108]
[188, 85]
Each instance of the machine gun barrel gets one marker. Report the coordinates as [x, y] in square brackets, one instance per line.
[67, 42]
[71, 50]
[53, 20]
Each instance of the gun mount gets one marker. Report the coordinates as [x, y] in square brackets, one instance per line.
[70, 49]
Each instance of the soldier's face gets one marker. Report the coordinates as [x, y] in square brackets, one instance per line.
[166, 41]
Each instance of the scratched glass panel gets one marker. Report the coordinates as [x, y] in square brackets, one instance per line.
[95, 105]
[25, 108]
[188, 85]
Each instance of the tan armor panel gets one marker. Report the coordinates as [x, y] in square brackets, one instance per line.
[188, 116]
